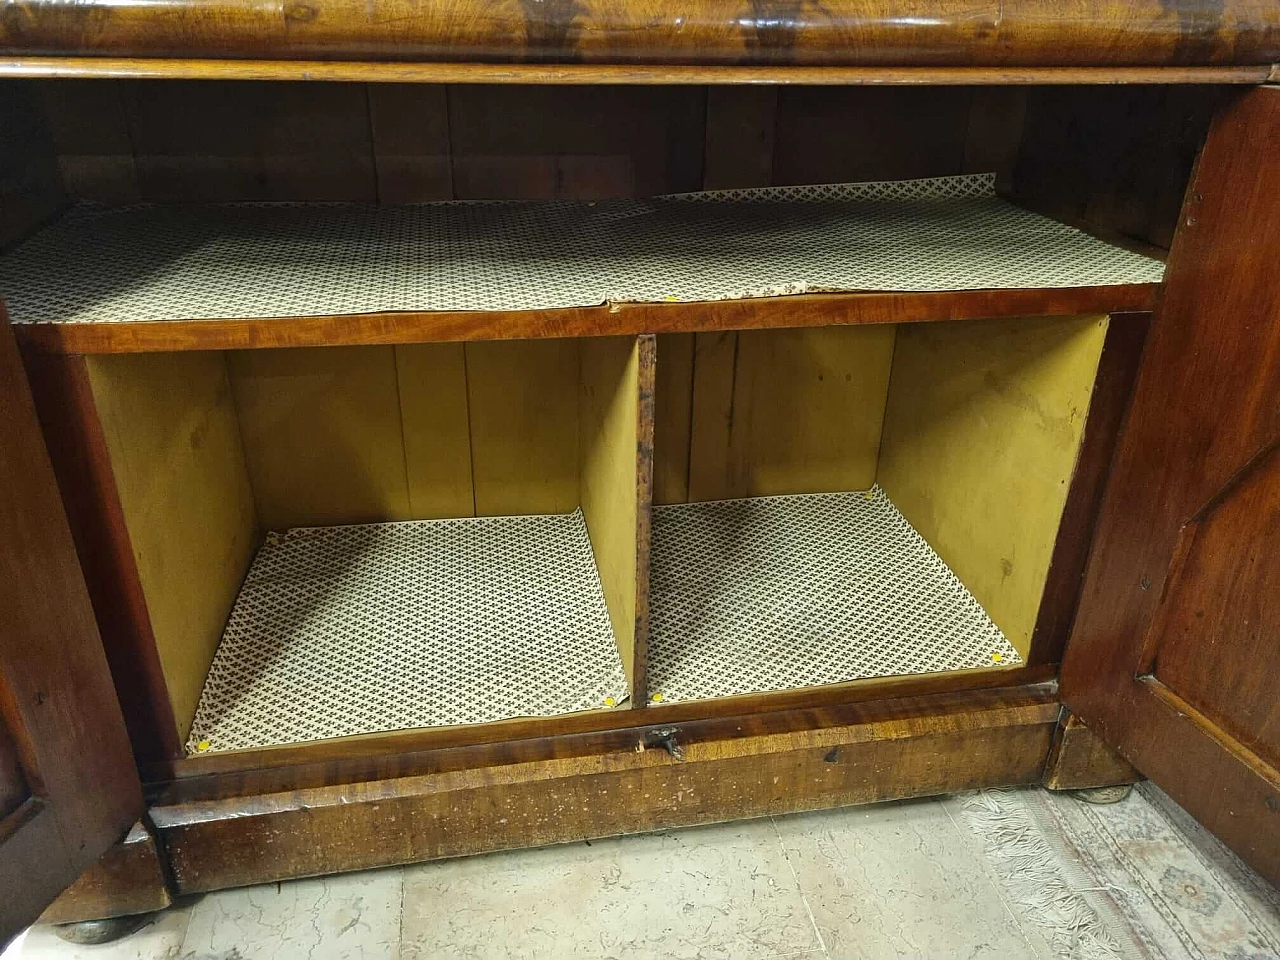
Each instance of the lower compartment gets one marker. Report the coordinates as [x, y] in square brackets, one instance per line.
[375, 627]
[775, 593]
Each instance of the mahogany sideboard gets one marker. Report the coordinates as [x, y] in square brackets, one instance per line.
[428, 430]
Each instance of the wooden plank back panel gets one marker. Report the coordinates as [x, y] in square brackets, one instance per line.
[91, 135]
[741, 134]
[322, 434]
[673, 412]
[173, 437]
[981, 436]
[523, 399]
[225, 141]
[787, 411]
[31, 191]
[841, 134]
[1116, 158]
[584, 143]
[435, 421]
[409, 124]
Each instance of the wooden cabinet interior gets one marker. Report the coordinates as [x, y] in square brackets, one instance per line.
[209, 450]
[180, 444]
[972, 428]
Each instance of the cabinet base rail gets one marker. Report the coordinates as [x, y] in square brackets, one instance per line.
[749, 766]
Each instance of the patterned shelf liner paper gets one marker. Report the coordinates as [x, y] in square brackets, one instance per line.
[239, 261]
[387, 626]
[776, 593]
[361, 629]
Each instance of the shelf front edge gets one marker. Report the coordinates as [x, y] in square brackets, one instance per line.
[807, 310]
[361, 71]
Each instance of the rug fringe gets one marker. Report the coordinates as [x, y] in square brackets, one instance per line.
[1053, 893]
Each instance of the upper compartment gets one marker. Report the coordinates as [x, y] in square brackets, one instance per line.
[580, 247]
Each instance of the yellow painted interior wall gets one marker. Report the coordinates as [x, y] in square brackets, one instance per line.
[609, 403]
[171, 432]
[767, 412]
[322, 435]
[366, 434]
[981, 435]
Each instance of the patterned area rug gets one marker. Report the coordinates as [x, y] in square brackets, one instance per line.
[1136, 879]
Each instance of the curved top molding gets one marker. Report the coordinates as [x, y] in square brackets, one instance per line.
[871, 33]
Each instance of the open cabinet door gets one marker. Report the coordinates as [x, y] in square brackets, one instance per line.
[1173, 659]
[68, 784]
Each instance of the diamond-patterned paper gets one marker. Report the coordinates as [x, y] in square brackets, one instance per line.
[234, 261]
[386, 626]
[775, 593]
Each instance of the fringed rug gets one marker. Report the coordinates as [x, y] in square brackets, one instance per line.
[1136, 879]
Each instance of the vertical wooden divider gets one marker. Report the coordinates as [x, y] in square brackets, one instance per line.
[616, 485]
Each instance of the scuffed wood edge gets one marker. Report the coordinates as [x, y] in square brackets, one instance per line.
[128, 879]
[244, 840]
[1079, 760]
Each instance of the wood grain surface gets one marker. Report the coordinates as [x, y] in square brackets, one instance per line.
[1015, 33]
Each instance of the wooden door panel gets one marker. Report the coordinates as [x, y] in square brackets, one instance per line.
[1186, 541]
[68, 783]
[13, 783]
[1217, 634]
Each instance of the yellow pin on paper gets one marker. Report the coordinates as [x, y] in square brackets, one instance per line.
[609, 702]
[656, 698]
[998, 657]
[202, 746]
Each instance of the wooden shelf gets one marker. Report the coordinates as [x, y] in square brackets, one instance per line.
[348, 630]
[778, 593]
[148, 279]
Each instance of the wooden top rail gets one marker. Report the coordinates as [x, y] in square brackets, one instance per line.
[773, 33]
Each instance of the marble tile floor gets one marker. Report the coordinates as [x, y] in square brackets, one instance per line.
[1005, 875]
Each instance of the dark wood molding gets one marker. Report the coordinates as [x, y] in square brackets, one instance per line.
[709, 32]
[808, 310]
[1080, 761]
[793, 762]
[1112, 389]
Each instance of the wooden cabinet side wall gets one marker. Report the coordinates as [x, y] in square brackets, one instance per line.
[983, 428]
[174, 441]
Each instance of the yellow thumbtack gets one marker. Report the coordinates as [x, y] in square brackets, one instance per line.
[203, 745]
[998, 657]
[609, 701]
[656, 698]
